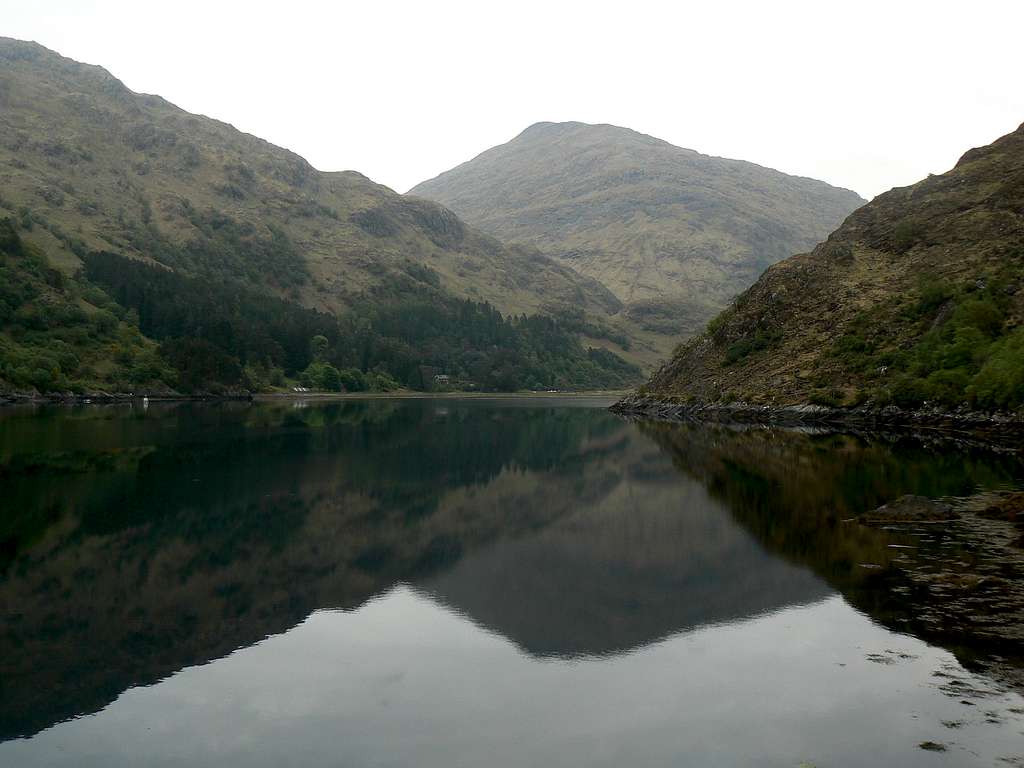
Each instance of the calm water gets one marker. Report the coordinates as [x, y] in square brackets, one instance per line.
[467, 583]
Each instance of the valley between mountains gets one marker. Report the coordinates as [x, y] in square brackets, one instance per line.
[146, 249]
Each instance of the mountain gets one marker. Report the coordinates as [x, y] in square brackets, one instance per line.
[917, 298]
[88, 166]
[566, 587]
[673, 233]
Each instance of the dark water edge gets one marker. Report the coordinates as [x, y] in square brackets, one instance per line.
[140, 542]
[977, 543]
[111, 398]
[997, 429]
[958, 583]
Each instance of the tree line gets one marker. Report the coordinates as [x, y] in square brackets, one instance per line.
[409, 334]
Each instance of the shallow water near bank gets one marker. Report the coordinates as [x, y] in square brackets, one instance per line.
[467, 582]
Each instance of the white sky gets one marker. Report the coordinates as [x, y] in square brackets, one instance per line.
[863, 94]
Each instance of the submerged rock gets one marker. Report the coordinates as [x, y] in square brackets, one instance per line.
[910, 509]
[1009, 508]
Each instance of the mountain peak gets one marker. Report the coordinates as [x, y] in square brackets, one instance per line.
[596, 131]
[674, 233]
[549, 127]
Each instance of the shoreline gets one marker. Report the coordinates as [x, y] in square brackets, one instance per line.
[946, 566]
[998, 427]
[109, 398]
[415, 395]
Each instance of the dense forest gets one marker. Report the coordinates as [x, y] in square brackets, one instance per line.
[127, 325]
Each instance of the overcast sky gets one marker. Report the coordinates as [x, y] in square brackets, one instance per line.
[865, 95]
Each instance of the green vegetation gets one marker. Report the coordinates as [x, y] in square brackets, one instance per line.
[229, 317]
[224, 247]
[59, 334]
[408, 334]
[832, 398]
[575, 320]
[417, 336]
[906, 234]
[968, 348]
[760, 339]
[123, 324]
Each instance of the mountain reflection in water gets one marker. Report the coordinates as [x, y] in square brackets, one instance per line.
[137, 543]
[652, 556]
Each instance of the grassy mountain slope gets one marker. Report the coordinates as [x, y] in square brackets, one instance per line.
[116, 170]
[87, 166]
[673, 233]
[918, 298]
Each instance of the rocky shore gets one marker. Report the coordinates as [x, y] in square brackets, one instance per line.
[1007, 428]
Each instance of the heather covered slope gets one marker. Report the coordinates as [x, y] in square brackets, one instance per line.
[917, 299]
[673, 233]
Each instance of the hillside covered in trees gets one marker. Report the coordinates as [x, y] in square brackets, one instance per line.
[127, 325]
